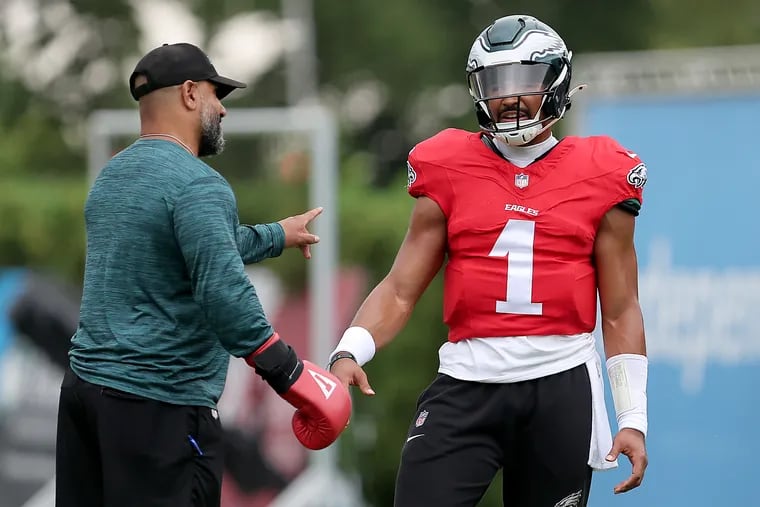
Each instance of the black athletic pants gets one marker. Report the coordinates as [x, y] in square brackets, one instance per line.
[538, 431]
[116, 449]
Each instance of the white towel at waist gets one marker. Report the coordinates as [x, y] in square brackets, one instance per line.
[601, 435]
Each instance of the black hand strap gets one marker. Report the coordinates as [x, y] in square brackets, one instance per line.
[279, 366]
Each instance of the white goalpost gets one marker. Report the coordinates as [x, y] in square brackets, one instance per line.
[321, 484]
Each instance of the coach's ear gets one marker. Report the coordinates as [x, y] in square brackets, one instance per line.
[191, 95]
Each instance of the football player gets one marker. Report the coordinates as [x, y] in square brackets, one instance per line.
[529, 227]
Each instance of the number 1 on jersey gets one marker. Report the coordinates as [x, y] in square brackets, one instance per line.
[516, 244]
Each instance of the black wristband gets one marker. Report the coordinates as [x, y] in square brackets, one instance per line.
[340, 355]
[279, 366]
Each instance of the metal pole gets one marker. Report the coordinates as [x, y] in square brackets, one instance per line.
[323, 273]
[301, 57]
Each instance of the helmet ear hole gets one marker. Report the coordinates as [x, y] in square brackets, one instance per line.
[557, 103]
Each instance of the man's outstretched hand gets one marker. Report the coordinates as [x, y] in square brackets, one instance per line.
[297, 233]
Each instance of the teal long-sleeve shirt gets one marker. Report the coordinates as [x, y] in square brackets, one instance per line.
[166, 299]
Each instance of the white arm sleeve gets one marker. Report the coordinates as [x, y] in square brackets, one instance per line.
[628, 382]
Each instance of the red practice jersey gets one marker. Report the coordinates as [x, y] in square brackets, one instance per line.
[520, 240]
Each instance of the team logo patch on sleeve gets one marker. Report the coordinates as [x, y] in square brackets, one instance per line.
[411, 176]
[638, 176]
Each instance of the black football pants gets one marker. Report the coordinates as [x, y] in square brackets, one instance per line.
[538, 431]
[116, 449]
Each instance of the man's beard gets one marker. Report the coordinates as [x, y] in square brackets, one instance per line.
[212, 138]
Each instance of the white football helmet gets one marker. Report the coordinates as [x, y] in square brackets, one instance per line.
[519, 56]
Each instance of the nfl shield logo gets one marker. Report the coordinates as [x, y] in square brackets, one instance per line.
[421, 419]
[521, 180]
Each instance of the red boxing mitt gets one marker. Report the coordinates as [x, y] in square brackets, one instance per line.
[323, 404]
[324, 407]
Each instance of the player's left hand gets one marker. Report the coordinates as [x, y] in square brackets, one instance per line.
[631, 443]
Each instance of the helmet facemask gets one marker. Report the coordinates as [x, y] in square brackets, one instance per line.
[519, 80]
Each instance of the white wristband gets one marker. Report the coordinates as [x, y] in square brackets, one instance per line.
[359, 342]
[628, 383]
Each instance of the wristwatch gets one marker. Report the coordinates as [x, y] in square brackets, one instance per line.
[340, 355]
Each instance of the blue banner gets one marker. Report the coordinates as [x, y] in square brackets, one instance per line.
[698, 241]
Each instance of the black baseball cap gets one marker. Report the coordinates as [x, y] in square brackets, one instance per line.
[173, 64]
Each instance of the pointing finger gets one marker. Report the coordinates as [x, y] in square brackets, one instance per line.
[312, 214]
